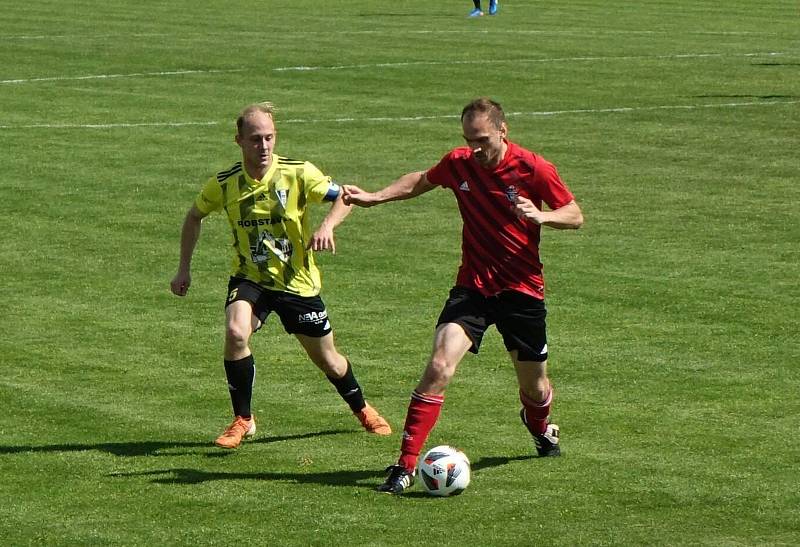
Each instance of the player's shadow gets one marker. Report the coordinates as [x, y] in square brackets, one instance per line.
[484, 463]
[349, 478]
[745, 96]
[187, 476]
[496, 461]
[157, 448]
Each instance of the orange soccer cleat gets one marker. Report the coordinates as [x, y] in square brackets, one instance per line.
[239, 429]
[373, 422]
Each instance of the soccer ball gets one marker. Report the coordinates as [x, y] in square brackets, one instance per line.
[444, 471]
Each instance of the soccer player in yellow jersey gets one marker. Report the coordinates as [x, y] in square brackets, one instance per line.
[265, 197]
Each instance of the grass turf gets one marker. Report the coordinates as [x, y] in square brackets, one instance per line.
[672, 324]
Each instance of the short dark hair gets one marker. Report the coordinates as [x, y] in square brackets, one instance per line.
[485, 105]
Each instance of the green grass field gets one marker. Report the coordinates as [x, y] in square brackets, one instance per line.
[673, 313]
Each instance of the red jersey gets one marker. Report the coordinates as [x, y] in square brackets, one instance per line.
[500, 251]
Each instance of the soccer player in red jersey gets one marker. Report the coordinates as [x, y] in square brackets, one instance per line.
[500, 188]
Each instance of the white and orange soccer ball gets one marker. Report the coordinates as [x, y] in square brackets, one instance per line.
[444, 471]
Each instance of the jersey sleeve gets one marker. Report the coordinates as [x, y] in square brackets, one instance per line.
[210, 197]
[319, 187]
[441, 173]
[550, 187]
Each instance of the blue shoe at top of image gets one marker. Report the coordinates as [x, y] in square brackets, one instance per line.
[475, 13]
[492, 7]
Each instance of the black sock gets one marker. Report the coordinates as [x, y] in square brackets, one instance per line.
[348, 388]
[241, 374]
[477, 4]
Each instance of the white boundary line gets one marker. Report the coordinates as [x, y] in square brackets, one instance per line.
[403, 31]
[540, 60]
[389, 119]
[182, 72]
[113, 76]
[10, 37]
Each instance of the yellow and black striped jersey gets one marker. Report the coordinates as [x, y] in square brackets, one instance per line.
[270, 223]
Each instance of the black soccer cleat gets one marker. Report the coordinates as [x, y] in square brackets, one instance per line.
[398, 481]
[546, 443]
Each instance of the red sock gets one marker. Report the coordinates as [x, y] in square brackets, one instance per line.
[536, 413]
[423, 411]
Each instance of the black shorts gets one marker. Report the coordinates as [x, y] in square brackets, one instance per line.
[299, 314]
[519, 317]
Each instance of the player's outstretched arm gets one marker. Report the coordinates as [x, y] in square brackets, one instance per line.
[406, 187]
[189, 236]
[564, 218]
[322, 239]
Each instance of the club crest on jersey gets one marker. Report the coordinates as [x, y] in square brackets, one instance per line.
[512, 193]
[282, 196]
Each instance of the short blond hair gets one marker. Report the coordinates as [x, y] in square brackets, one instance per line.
[264, 107]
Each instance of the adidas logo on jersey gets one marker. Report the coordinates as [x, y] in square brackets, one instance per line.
[464, 187]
